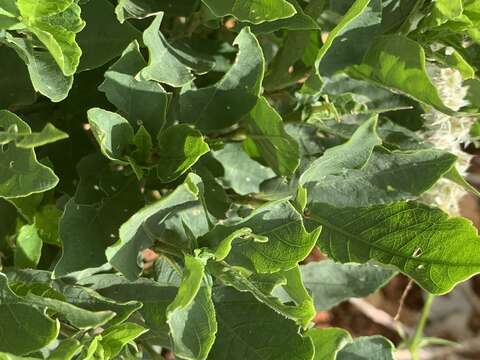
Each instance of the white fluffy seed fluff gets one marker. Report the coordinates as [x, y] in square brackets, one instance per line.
[448, 133]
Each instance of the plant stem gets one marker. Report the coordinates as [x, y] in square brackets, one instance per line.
[413, 344]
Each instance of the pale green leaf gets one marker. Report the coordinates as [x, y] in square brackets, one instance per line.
[21, 174]
[284, 240]
[331, 283]
[168, 64]
[239, 316]
[435, 250]
[140, 101]
[242, 174]
[253, 11]
[398, 63]
[268, 139]
[115, 338]
[112, 131]
[348, 42]
[66, 350]
[55, 23]
[14, 314]
[223, 104]
[179, 148]
[368, 348]
[140, 9]
[28, 248]
[328, 342]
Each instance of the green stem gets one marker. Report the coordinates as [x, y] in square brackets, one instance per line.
[413, 344]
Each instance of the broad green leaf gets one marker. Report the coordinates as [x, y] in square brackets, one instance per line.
[353, 154]
[239, 315]
[215, 197]
[328, 342]
[103, 37]
[49, 134]
[96, 222]
[47, 78]
[302, 311]
[368, 348]
[285, 242]
[115, 338]
[398, 63]
[140, 101]
[90, 300]
[444, 10]
[140, 9]
[168, 64]
[387, 177]
[331, 283]
[112, 131]
[21, 174]
[84, 247]
[66, 350]
[78, 317]
[14, 314]
[46, 221]
[179, 148]
[146, 226]
[252, 11]
[15, 78]
[435, 250]
[268, 139]
[192, 340]
[297, 22]
[6, 356]
[242, 174]
[223, 104]
[348, 42]
[56, 24]
[28, 247]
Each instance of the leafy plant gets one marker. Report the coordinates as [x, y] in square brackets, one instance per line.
[167, 167]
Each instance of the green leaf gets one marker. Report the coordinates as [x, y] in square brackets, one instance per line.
[239, 315]
[387, 177]
[140, 9]
[398, 63]
[296, 305]
[21, 174]
[112, 131]
[353, 154]
[242, 174]
[268, 139]
[66, 350]
[140, 101]
[78, 317]
[14, 314]
[252, 11]
[90, 300]
[179, 148]
[47, 78]
[103, 37]
[46, 221]
[348, 42]
[279, 223]
[55, 24]
[49, 134]
[328, 342]
[331, 283]
[368, 348]
[28, 247]
[84, 247]
[223, 104]
[115, 338]
[168, 64]
[297, 22]
[435, 250]
[192, 342]
[145, 227]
